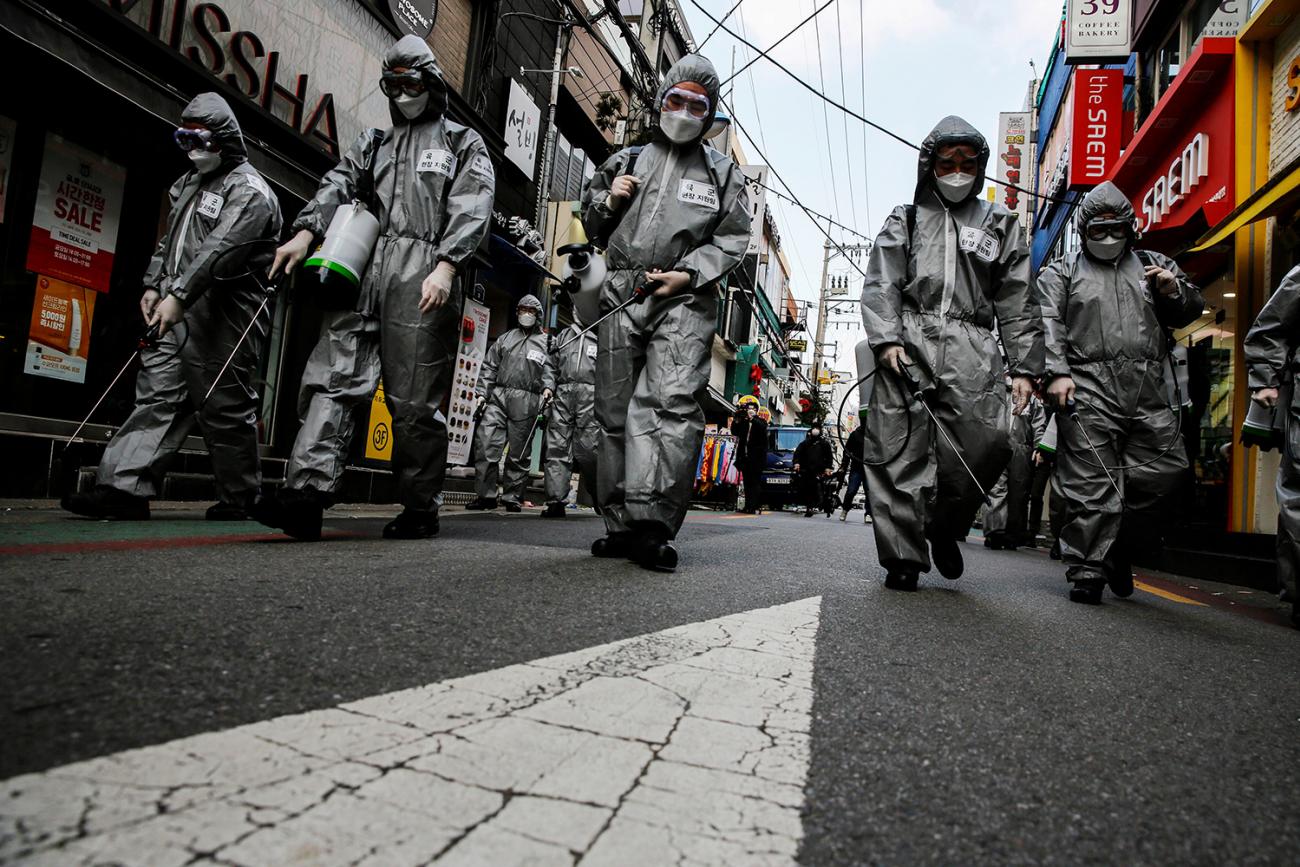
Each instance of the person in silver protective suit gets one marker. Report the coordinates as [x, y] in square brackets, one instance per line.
[1106, 309]
[220, 203]
[433, 184]
[1006, 520]
[942, 271]
[515, 384]
[677, 222]
[572, 432]
[1269, 353]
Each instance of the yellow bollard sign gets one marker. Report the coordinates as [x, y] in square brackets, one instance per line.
[379, 438]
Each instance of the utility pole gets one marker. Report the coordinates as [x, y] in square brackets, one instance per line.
[829, 252]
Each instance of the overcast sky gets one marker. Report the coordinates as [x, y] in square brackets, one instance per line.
[919, 60]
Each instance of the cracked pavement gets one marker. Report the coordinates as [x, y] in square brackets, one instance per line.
[692, 741]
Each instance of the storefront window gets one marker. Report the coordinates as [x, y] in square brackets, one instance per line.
[1168, 62]
[1209, 423]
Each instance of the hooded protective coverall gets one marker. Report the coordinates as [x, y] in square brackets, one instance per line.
[1008, 517]
[210, 213]
[690, 213]
[572, 433]
[433, 186]
[1105, 328]
[937, 291]
[1270, 350]
[517, 369]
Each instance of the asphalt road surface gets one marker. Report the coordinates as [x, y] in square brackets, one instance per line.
[187, 692]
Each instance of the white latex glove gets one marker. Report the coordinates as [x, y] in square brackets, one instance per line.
[437, 286]
[621, 191]
[894, 357]
[289, 254]
[1061, 391]
[148, 301]
[166, 314]
[1022, 388]
[671, 282]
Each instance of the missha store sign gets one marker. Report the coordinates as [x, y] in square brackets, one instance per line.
[314, 64]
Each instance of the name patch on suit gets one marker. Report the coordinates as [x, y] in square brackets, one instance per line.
[440, 161]
[210, 204]
[536, 356]
[591, 350]
[698, 193]
[979, 242]
[482, 167]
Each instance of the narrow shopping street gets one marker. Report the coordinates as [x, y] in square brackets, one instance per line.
[181, 691]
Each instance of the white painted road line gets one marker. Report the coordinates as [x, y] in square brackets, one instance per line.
[686, 746]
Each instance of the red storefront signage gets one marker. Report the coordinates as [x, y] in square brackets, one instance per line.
[1178, 169]
[1097, 126]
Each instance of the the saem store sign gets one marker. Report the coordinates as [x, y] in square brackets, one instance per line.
[297, 61]
[1178, 169]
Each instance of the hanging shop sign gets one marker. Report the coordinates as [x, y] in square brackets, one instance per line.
[755, 181]
[1013, 158]
[58, 341]
[1097, 31]
[8, 132]
[1228, 18]
[469, 361]
[523, 120]
[74, 228]
[1178, 169]
[1097, 125]
[415, 17]
[797, 345]
[272, 54]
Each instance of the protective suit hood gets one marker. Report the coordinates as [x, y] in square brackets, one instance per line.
[698, 69]
[215, 113]
[530, 301]
[951, 130]
[1105, 198]
[412, 52]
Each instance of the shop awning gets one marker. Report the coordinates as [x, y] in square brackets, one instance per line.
[1275, 196]
[716, 398]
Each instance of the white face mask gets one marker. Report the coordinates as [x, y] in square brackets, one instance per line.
[680, 127]
[1107, 248]
[955, 187]
[527, 320]
[411, 107]
[204, 161]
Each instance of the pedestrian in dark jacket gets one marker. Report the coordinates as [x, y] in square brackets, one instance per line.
[751, 441]
[853, 471]
[813, 461]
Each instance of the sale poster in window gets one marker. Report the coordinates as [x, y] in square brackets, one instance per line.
[58, 342]
[74, 229]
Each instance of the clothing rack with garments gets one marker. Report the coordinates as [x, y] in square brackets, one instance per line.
[717, 476]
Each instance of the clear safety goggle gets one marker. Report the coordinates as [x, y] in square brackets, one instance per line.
[392, 84]
[677, 99]
[193, 139]
[1100, 229]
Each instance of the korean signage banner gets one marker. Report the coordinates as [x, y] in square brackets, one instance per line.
[58, 341]
[1013, 160]
[1097, 125]
[755, 180]
[379, 434]
[74, 229]
[523, 121]
[1097, 31]
[469, 360]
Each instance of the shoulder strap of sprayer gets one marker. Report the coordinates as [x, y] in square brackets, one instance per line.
[632, 153]
[909, 220]
[366, 183]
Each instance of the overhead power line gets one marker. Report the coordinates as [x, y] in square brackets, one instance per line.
[796, 29]
[716, 26]
[851, 113]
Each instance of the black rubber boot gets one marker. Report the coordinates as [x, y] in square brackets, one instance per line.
[226, 512]
[615, 545]
[512, 506]
[1055, 553]
[299, 514]
[108, 503]
[994, 541]
[412, 524]
[946, 556]
[901, 579]
[659, 555]
[1087, 591]
[553, 510]
[1295, 614]
[482, 504]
